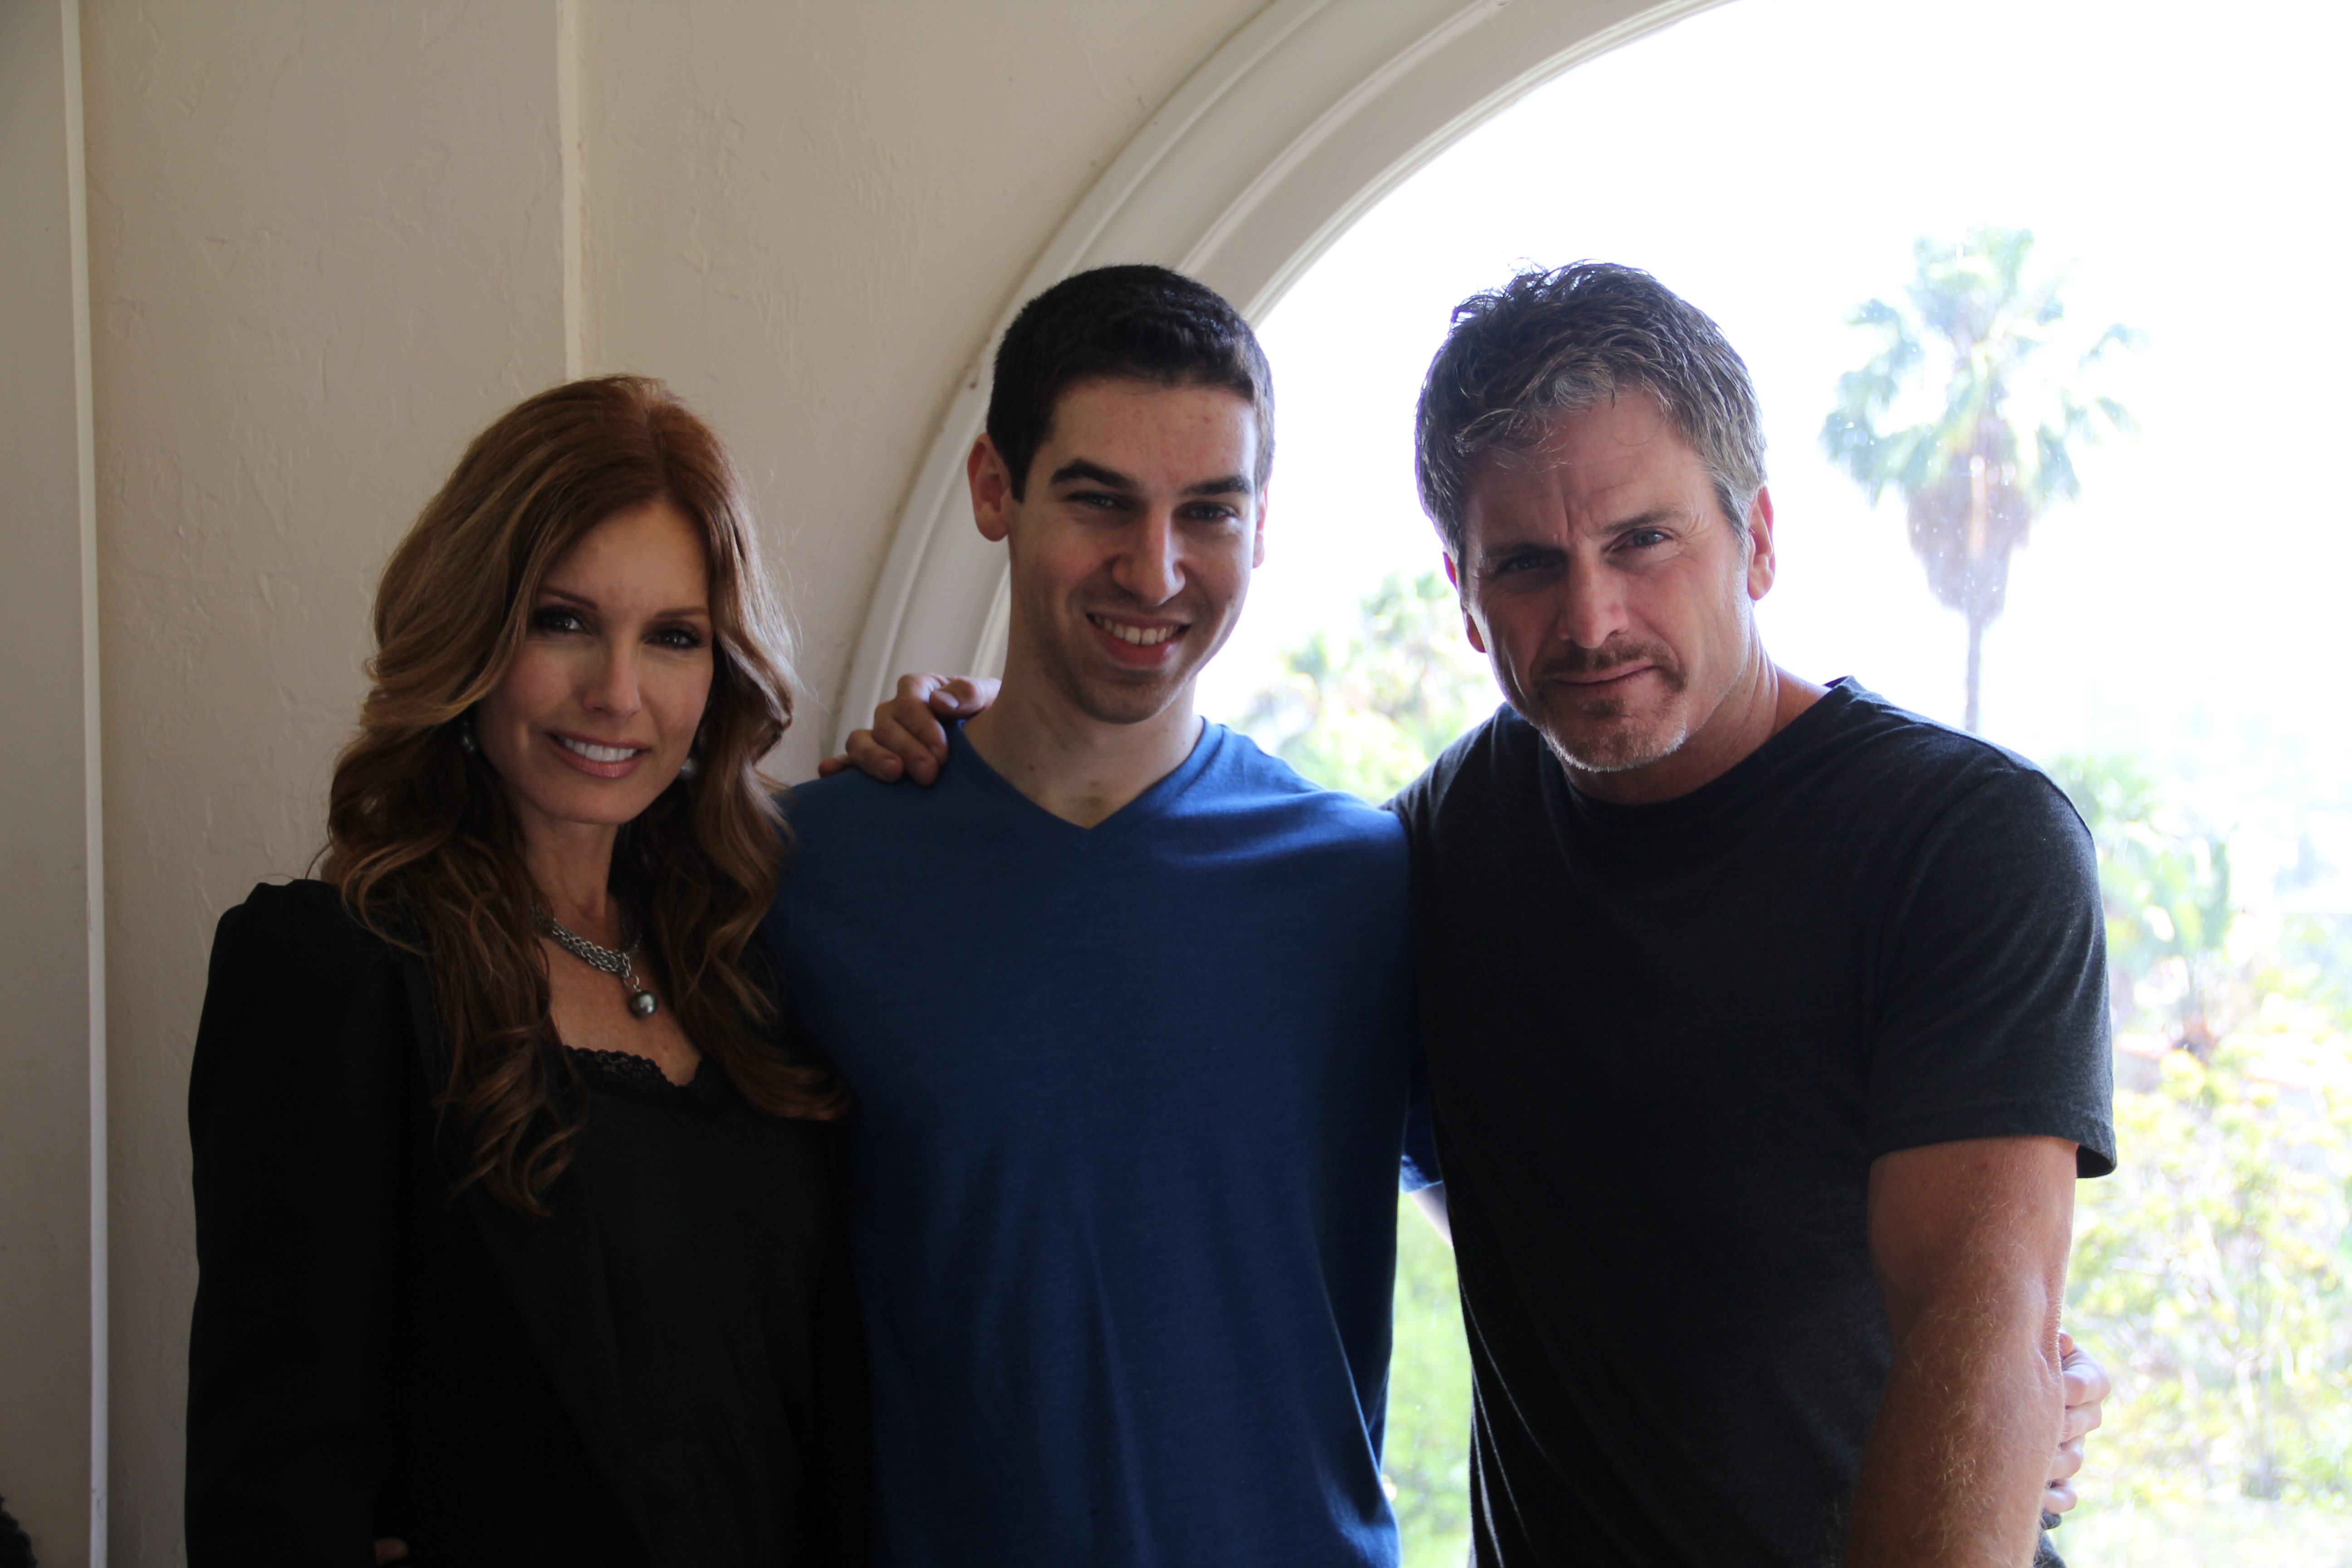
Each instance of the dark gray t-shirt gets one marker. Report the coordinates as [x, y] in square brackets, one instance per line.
[1665, 1044]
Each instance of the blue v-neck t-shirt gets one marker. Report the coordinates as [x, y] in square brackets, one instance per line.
[1131, 1105]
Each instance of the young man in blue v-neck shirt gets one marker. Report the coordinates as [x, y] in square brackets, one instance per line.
[1124, 1161]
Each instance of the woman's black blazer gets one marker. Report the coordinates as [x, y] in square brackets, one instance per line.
[366, 1356]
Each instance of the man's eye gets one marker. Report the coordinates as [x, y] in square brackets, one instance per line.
[1643, 538]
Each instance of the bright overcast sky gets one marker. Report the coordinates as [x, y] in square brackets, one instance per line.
[1772, 161]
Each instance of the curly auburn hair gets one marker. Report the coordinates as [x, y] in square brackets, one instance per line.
[421, 838]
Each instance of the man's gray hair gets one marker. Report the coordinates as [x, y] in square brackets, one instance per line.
[1548, 343]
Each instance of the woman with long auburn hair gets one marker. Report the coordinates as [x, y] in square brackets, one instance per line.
[517, 1232]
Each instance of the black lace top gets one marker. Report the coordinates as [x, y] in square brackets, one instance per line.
[623, 1072]
[725, 1271]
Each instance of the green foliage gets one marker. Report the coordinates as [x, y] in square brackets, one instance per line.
[2209, 1271]
[2210, 1275]
[1427, 1455]
[1367, 709]
[2313, 960]
[2165, 881]
[1993, 441]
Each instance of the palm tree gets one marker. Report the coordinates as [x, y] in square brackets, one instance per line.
[1975, 474]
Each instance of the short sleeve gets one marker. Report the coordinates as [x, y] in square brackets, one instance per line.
[1992, 1018]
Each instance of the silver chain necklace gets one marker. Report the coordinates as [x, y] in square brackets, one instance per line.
[642, 1001]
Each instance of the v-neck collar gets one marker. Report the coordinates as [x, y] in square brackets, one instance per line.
[1149, 806]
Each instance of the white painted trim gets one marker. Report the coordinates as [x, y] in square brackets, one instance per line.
[93, 775]
[1320, 106]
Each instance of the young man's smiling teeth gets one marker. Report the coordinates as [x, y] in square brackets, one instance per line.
[596, 753]
[1141, 636]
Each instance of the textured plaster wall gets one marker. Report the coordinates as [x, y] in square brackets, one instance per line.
[46, 1035]
[324, 248]
[327, 245]
[806, 217]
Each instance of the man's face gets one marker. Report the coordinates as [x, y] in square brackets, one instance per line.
[1614, 597]
[1133, 546]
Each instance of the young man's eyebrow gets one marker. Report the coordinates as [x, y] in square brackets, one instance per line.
[1079, 469]
[1232, 484]
[1111, 479]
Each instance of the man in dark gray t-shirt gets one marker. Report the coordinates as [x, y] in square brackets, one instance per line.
[1870, 935]
[1767, 1023]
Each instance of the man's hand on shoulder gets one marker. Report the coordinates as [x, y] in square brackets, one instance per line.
[907, 741]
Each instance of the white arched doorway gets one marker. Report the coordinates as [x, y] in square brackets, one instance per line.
[1303, 119]
[2108, 607]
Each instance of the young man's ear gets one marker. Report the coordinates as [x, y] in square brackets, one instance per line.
[1469, 621]
[991, 490]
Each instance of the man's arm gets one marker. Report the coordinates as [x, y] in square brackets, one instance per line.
[1969, 1242]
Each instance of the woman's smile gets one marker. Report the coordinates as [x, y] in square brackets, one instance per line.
[602, 760]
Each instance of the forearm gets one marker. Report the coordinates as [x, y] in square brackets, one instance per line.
[1958, 1456]
[1969, 1242]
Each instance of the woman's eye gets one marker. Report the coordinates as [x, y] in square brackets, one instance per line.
[678, 637]
[553, 620]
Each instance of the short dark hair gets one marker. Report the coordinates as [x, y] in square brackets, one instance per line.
[1127, 323]
[1548, 343]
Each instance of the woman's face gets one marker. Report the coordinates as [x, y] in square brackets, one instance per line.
[592, 721]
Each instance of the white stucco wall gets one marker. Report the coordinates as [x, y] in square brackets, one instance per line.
[327, 242]
[51, 1143]
[324, 247]
[806, 217]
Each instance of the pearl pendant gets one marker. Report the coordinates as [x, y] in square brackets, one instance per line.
[642, 1004]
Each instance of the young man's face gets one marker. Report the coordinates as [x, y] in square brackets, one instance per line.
[1602, 578]
[1133, 546]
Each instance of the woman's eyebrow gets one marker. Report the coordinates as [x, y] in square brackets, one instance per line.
[680, 612]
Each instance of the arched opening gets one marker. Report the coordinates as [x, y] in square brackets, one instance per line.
[2163, 636]
[1301, 122]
